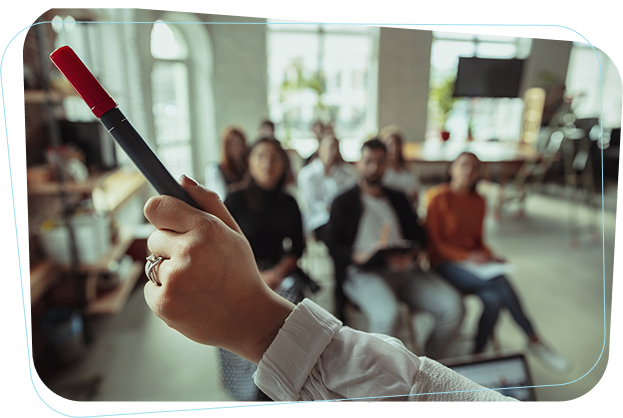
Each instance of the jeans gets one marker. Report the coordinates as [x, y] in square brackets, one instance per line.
[494, 294]
[377, 293]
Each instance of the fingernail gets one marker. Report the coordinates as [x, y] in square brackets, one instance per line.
[190, 180]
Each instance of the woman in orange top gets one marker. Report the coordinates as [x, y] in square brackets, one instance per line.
[454, 224]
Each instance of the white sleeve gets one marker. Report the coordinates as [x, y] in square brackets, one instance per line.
[315, 357]
[214, 180]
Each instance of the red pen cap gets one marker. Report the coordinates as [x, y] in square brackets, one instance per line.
[82, 80]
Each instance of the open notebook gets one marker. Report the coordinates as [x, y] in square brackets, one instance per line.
[487, 271]
[507, 374]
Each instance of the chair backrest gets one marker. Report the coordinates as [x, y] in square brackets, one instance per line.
[615, 137]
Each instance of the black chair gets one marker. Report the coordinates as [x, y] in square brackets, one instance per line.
[611, 153]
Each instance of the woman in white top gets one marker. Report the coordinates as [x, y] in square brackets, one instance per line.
[230, 173]
[208, 287]
[399, 175]
[320, 182]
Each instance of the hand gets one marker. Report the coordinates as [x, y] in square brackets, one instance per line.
[499, 259]
[211, 288]
[399, 262]
[272, 278]
[362, 257]
[479, 257]
[422, 260]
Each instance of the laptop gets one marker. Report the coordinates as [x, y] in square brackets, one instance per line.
[508, 374]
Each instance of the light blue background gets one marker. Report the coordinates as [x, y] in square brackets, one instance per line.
[21, 392]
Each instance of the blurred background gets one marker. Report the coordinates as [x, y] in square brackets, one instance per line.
[181, 78]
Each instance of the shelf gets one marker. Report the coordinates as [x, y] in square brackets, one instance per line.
[117, 189]
[124, 240]
[42, 277]
[70, 187]
[41, 96]
[113, 301]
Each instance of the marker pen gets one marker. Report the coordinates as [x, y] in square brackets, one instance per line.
[106, 110]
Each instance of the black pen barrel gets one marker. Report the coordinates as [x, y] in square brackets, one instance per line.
[142, 155]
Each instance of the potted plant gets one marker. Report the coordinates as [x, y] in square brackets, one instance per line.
[296, 81]
[441, 94]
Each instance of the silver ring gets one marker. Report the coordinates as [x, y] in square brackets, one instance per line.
[152, 261]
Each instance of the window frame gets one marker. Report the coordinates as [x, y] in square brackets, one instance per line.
[307, 143]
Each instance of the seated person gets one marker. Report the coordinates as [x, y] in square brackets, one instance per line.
[454, 223]
[320, 181]
[320, 130]
[359, 217]
[271, 221]
[206, 285]
[266, 128]
[231, 172]
[400, 174]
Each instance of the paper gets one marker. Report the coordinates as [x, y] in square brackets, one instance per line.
[487, 271]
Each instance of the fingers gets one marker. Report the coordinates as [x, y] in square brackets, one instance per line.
[167, 212]
[161, 242]
[209, 202]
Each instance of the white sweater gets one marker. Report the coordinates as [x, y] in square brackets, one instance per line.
[315, 357]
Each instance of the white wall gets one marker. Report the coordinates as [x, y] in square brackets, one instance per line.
[404, 69]
[240, 72]
[545, 56]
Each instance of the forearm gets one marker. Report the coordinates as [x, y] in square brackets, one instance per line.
[314, 357]
[285, 266]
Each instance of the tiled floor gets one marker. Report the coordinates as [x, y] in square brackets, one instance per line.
[136, 357]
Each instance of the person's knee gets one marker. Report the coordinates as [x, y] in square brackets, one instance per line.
[448, 307]
[491, 300]
[382, 319]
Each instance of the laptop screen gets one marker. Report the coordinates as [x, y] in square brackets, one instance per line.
[508, 375]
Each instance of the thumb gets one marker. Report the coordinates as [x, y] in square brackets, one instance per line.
[208, 201]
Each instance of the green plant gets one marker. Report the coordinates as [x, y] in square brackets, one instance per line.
[441, 95]
[295, 81]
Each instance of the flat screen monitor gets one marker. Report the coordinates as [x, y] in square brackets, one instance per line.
[509, 375]
[488, 77]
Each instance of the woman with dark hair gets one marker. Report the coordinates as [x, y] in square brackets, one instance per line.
[454, 224]
[400, 174]
[271, 221]
[230, 173]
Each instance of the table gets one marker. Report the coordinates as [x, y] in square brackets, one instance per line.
[507, 154]
[487, 152]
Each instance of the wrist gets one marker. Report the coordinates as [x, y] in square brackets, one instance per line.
[269, 321]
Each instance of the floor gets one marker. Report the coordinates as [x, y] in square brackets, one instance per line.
[136, 357]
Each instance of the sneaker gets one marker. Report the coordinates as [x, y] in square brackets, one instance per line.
[554, 361]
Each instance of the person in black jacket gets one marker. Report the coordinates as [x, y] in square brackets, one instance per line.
[271, 221]
[366, 218]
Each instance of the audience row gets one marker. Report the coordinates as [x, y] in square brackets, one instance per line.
[367, 216]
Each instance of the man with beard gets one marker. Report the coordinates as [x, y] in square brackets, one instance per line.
[369, 217]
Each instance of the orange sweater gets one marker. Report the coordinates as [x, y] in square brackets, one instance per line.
[454, 224]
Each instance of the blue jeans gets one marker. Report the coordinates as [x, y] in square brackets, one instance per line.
[494, 294]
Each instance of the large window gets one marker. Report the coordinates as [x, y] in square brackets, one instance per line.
[320, 72]
[485, 118]
[170, 95]
[588, 90]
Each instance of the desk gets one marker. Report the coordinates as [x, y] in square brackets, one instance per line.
[509, 155]
[487, 152]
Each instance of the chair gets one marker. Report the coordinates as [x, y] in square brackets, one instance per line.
[406, 319]
[580, 182]
[344, 309]
[494, 339]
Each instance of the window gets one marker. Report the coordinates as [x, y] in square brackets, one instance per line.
[81, 37]
[486, 118]
[170, 97]
[320, 72]
[583, 84]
